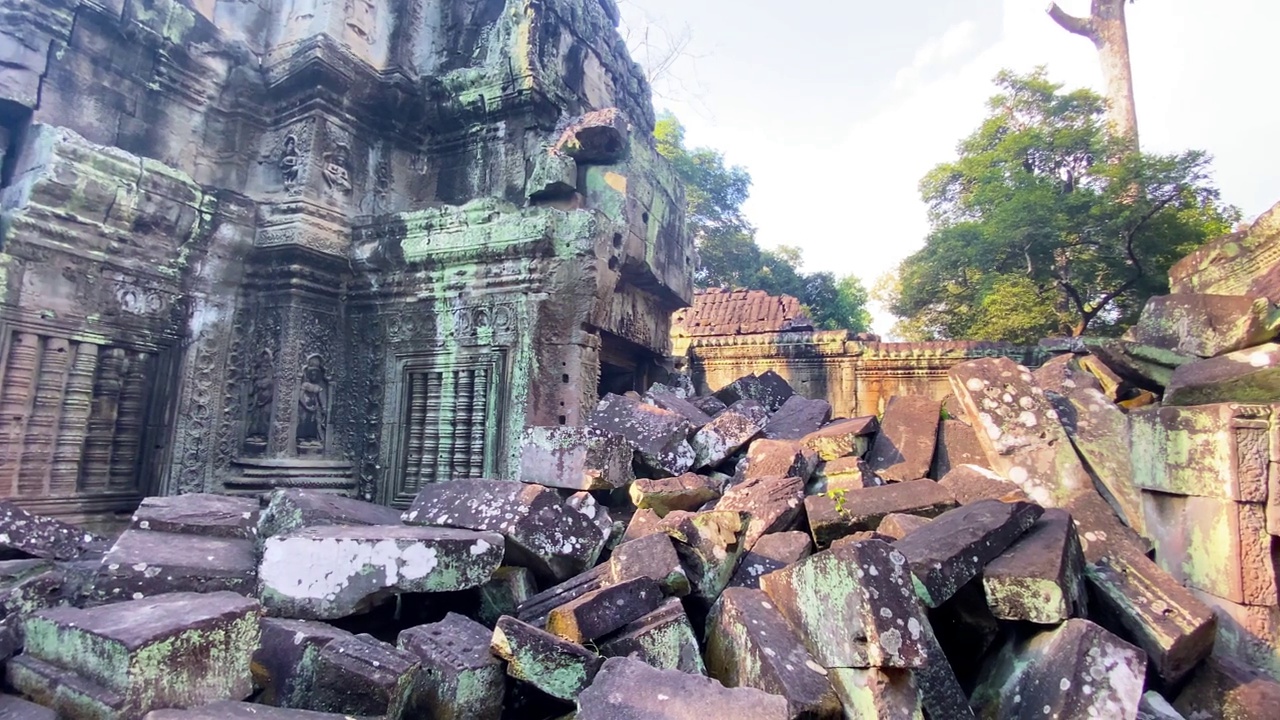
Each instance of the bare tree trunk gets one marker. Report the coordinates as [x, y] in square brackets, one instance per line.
[1107, 29]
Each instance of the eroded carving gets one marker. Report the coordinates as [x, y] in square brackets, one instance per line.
[313, 408]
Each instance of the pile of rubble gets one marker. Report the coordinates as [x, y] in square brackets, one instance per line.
[741, 554]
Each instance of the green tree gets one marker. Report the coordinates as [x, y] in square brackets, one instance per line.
[728, 253]
[1048, 224]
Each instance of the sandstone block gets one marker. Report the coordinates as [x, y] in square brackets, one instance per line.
[664, 639]
[738, 425]
[1242, 263]
[13, 708]
[360, 675]
[709, 545]
[668, 400]
[654, 557]
[290, 510]
[123, 660]
[954, 548]
[537, 607]
[780, 458]
[853, 606]
[603, 611]
[1078, 670]
[504, 593]
[1154, 707]
[971, 483]
[25, 587]
[600, 137]
[577, 458]
[957, 445]
[899, 525]
[768, 389]
[772, 551]
[628, 689]
[749, 644]
[689, 491]
[1040, 578]
[1134, 365]
[543, 533]
[773, 504]
[842, 438]
[23, 535]
[709, 404]
[1246, 633]
[1243, 376]
[659, 437]
[845, 472]
[1204, 325]
[1221, 451]
[332, 572]
[1228, 690]
[797, 417]
[227, 710]
[144, 563]
[904, 448]
[284, 665]
[878, 693]
[1063, 374]
[459, 678]
[846, 510]
[555, 666]
[1100, 432]
[199, 514]
[1134, 598]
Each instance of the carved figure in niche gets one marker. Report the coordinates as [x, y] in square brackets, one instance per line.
[261, 396]
[303, 10]
[362, 18]
[313, 407]
[336, 173]
[290, 162]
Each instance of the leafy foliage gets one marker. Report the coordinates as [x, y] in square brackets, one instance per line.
[1045, 225]
[727, 249]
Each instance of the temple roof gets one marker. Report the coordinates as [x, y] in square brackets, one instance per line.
[721, 311]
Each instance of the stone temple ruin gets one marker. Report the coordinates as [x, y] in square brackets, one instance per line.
[352, 246]
[357, 316]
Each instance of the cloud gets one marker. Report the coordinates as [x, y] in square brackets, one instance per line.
[937, 51]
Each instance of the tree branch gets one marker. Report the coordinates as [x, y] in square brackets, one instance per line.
[1083, 27]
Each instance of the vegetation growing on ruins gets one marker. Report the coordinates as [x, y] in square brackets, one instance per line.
[727, 249]
[1047, 224]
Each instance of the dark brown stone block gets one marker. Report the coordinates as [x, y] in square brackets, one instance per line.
[689, 491]
[899, 525]
[773, 551]
[1223, 689]
[627, 689]
[599, 613]
[842, 511]
[659, 437]
[842, 438]
[290, 510]
[773, 504]
[284, 665]
[768, 389]
[555, 666]
[575, 458]
[971, 483]
[32, 536]
[144, 563]
[360, 675]
[799, 416]
[709, 545]
[219, 516]
[904, 447]
[957, 445]
[668, 400]
[12, 708]
[780, 458]
[1040, 578]
[459, 678]
[653, 556]
[536, 609]
[242, 711]
[664, 639]
[731, 430]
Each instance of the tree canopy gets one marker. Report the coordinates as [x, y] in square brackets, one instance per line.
[728, 253]
[1048, 225]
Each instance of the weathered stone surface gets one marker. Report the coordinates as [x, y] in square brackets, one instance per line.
[543, 533]
[627, 689]
[667, 399]
[899, 525]
[689, 491]
[1077, 670]
[25, 587]
[845, 510]
[536, 609]
[555, 666]
[964, 629]
[1242, 263]
[577, 458]
[769, 389]
[1221, 451]
[972, 483]
[940, 691]
[597, 138]
[780, 458]
[1137, 600]
[1063, 374]
[654, 557]
[853, 606]
[333, 571]
[1153, 706]
[877, 693]
[199, 514]
[1040, 578]
[144, 563]
[1131, 366]
[459, 677]
[242, 711]
[709, 545]
[772, 551]
[1204, 325]
[904, 447]
[1218, 546]
[1102, 535]
[738, 425]
[603, 611]
[1100, 432]
[797, 417]
[290, 510]
[643, 522]
[749, 644]
[25, 535]
[1223, 689]
[957, 445]
[659, 437]
[845, 472]
[709, 404]
[360, 675]
[1244, 376]
[954, 548]
[842, 438]
[664, 639]
[773, 504]
[126, 659]
[507, 590]
[284, 665]
[1245, 633]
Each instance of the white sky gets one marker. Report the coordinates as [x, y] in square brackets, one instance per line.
[838, 107]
